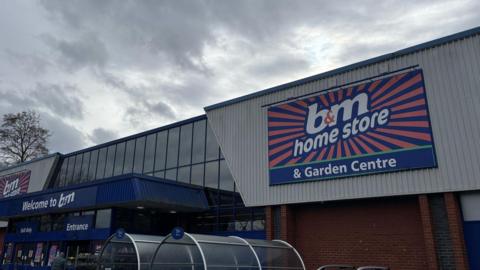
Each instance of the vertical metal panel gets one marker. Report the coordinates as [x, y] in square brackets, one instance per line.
[453, 91]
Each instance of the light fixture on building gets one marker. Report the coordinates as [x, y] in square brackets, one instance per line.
[172, 212]
[140, 207]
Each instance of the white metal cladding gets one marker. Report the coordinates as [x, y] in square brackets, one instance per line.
[41, 171]
[452, 84]
[470, 202]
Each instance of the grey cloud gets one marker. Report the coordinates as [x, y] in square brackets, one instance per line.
[175, 31]
[101, 135]
[143, 113]
[61, 100]
[351, 53]
[278, 65]
[30, 63]
[162, 109]
[88, 50]
[65, 137]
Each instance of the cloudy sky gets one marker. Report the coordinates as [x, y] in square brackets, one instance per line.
[100, 70]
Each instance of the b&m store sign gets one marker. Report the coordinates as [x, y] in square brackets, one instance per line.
[378, 126]
[14, 184]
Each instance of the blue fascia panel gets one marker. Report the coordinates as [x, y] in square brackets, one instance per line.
[97, 234]
[361, 64]
[471, 231]
[127, 189]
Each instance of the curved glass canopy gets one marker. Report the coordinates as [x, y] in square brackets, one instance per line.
[197, 252]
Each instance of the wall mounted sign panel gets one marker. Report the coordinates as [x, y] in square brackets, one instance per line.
[379, 126]
[14, 184]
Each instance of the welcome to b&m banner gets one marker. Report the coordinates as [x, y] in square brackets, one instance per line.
[378, 126]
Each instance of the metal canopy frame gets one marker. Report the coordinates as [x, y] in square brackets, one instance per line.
[198, 252]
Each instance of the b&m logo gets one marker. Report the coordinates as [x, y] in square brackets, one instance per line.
[14, 184]
[377, 126]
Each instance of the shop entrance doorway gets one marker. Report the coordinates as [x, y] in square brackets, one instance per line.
[79, 255]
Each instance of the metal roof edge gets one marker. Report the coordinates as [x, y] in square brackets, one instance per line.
[374, 60]
[30, 161]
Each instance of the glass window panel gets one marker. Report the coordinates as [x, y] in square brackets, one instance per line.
[212, 145]
[226, 221]
[212, 197]
[86, 160]
[149, 153]
[62, 174]
[71, 166]
[226, 178]
[92, 170]
[103, 218]
[78, 168]
[119, 157]
[211, 174]
[171, 174]
[258, 219]
[185, 145]
[160, 174]
[129, 152]
[226, 199]
[197, 174]
[243, 219]
[102, 156]
[161, 151]
[110, 161]
[198, 150]
[184, 174]
[139, 155]
[172, 153]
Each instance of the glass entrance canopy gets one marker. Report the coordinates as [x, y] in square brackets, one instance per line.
[197, 252]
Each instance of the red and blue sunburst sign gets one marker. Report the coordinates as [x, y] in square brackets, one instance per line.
[378, 126]
[14, 184]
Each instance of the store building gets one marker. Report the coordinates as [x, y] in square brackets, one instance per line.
[148, 183]
[375, 163]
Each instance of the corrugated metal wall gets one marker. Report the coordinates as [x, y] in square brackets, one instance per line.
[452, 80]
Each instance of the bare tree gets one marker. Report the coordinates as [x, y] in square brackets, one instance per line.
[22, 138]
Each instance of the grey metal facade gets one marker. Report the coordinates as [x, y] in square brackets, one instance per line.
[451, 68]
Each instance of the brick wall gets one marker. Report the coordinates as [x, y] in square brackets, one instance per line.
[386, 232]
[443, 240]
[428, 233]
[455, 226]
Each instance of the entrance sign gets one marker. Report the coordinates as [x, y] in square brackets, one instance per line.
[177, 233]
[374, 127]
[120, 233]
[79, 223]
[14, 184]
